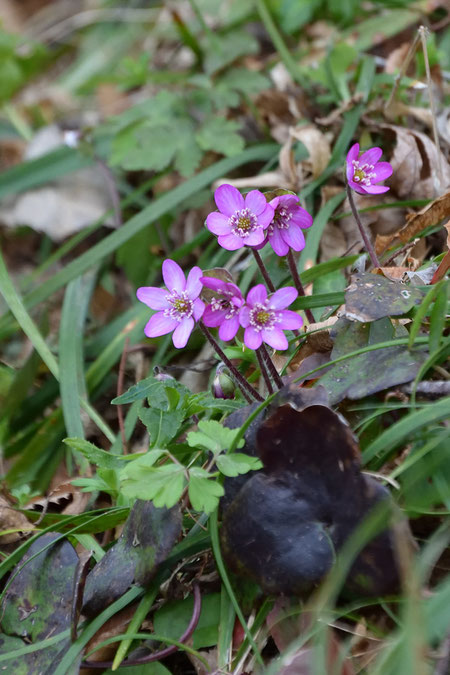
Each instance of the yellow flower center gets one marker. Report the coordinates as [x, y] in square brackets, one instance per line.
[263, 317]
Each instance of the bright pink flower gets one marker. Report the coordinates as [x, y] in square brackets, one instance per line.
[223, 311]
[239, 222]
[285, 230]
[179, 305]
[265, 319]
[363, 173]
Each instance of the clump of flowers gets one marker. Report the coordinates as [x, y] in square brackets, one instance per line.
[239, 222]
[179, 307]
[364, 172]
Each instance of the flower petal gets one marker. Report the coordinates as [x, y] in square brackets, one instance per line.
[244, 316]
[173, 276]
[370, 156]
[252, 338]
[290, 320]
[375, 189]
[255, 201]
[357, 187]
[231, 242]
[266, 217]
[275, 338]
[382, 171]
[194, 285]
[228, 199]
[257, 294]
[217, 223]
[255, 238]
[213, 318]
[213, 283]
[182, 332]
[199, 308]
[301, 217]
[278, 243]
[294, 237]
[156, 298]
[283, 297]
[229, 328]
[353, 153]
[160, 325]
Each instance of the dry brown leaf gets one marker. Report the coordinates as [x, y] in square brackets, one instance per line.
[10, 519]
[396, 58]
[317, 145]
[417, 222]
[392, 273]
[444, 265]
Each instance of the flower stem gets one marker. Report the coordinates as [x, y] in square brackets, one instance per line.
[271, 366]
[263, 369]
[367, 243]
[244, 386]
[263, 271]
[298, 284]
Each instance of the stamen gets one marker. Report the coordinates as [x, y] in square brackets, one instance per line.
[263, 317]
[182, 306]
[243, 223]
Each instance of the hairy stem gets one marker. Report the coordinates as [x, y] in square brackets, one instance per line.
[244, 386]
[271, 366]
[263, 369]
[298, 284]
[263, 271]
[367, 243]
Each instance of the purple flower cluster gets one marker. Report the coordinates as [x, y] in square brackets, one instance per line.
[179, 307]
[251, 221]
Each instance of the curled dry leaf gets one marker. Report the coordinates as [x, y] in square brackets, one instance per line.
[444, 265]
[317, 145]
[10, 519]
[417, 222]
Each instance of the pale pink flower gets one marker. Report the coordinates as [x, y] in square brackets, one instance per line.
[363, 173]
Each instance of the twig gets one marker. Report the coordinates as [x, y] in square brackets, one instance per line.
[263, 369]
[270, 364]
[245, 387]
[298, 284]
[79, 582]
[367, 243]
[263, 271]
[402, 72]
[429, 388]
[399, 251]
[120, 380]
[162, 653]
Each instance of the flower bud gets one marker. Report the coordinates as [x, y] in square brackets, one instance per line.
[223, 385]
[160, 375]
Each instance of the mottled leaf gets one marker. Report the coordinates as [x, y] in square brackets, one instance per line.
[371, 296]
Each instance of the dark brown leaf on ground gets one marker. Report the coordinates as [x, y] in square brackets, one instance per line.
[285, 524]
[147, 538]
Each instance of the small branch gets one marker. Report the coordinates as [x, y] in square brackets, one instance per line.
[422, 33]
[431, 388]
[263, 369]
[120, 379]
[244, 386]
[367, 243]
[263, 270]
[162, 653]
[271, 366]
[298, 284]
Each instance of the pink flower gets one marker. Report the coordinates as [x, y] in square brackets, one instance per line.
[265, 319]
[223, 311]
[362, 173]
[179, 305]
[285, 230]
[239, 222]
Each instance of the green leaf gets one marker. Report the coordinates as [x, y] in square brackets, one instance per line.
[236, 463]
[153, 389]
[245, 81]
[212, 436]
[173, 619]
[162, 425]
[219, 134]
[438, 318]
[163, 485]
[94, 455]
[204, 491]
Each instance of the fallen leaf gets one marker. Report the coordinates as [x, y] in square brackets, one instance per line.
[317, 145]
[284, 524]
[371, 296]
[147, 538]
[430, 215]
[11, 519]
[38, 602]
